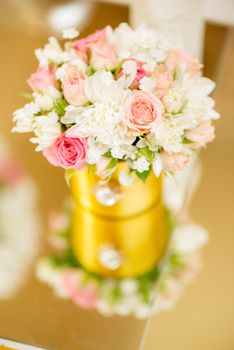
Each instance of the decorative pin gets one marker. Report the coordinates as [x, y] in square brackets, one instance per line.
[109, 257]
[107, 195]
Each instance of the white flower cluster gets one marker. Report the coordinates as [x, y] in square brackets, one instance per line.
[19, 229]
[114, 90]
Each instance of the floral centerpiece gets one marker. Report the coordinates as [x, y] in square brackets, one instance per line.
[115, 110]
[118, 95]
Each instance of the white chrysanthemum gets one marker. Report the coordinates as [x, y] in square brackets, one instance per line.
[188, 238]
[102, 88]
[142, 43]
[95, 151]
[70, 33]
[199, 106]
[24, 117]
[117, 152]
[52, 52]
[47, 129]
[103, 120]
[168, 136]
[141, 164]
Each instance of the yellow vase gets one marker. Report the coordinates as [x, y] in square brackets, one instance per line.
[124, 239]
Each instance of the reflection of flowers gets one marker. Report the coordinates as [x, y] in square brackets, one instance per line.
[18, 225]
[160, 287]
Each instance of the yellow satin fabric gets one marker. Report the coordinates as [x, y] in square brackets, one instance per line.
[134, 226]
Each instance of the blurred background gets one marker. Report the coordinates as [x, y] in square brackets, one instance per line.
[204, 317]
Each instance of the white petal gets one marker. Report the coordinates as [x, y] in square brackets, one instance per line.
[157, 165]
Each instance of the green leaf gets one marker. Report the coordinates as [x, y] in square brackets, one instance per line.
[187, 141]
[59, 106]
[144, 175]
[176, 261]
[107, 154]
[116, 292]
[27, 95]
[113, 162]
[68, 175]
[90, 71]
[147, 153]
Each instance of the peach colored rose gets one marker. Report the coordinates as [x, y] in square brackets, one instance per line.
[58, 221]
[102, 172]
[141, 110]
[73, 86]
[172, 289]
[174, 161]
[42, 79]
[193, 265]
[102, 55]
[163, 79]
[67, 152]
[201, 135]
[182, 58]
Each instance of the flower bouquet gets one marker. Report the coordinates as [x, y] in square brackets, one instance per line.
[118, 95]
[117, 109]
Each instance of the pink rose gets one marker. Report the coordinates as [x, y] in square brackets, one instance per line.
[182, 58]
[67, 152]
[102, 170]
[42, 79]
[85, 296]
[98, 48]
[174, 161]
[73, 86]
[70, 280]
[163, 79]
[141, 110]
[102, 55]
[201, 135]
[81, 45]
[141, 73]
